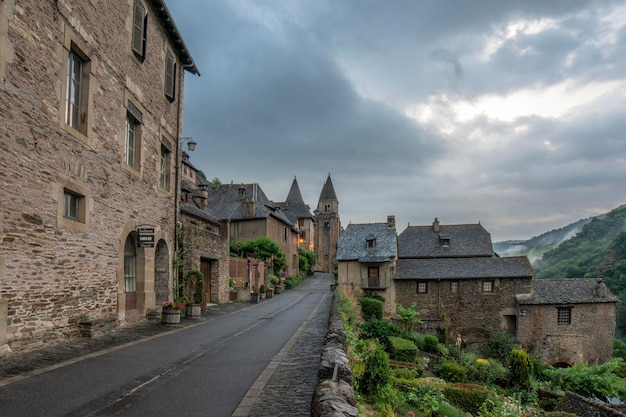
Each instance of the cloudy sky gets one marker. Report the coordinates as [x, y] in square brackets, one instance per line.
[512, 114]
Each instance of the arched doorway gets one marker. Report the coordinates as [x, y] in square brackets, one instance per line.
[161, 273]
[130, 274]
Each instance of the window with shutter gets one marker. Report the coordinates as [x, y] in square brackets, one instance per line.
[140, 28]
[170, 75]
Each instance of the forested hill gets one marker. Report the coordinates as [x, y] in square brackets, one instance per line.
[535, 247]
[598, 250]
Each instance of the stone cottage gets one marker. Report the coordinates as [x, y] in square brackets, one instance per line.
[91, 112]
[366, 259]
[204, 241]
[299, 213]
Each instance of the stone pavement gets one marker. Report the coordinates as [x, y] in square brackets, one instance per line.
[285, 388]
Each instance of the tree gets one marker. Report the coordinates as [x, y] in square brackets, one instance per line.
[266, 250]
[216, 181]
[307, 260]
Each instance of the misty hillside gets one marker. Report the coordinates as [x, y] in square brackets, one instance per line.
[535, 247]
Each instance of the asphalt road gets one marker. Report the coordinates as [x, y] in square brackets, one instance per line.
[205, 370]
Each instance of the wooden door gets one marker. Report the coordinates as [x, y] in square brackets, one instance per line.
[205, 268]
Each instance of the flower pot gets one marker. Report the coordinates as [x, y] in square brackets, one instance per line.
[193, 311]
[170, 316]
[262, 295]
[254, 297]
[153, 315]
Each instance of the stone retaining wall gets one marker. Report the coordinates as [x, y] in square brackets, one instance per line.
[584, 407]
[334, 395]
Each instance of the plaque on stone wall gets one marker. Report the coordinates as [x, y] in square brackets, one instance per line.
[145, 237]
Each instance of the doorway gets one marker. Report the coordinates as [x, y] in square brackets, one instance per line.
[205, 268]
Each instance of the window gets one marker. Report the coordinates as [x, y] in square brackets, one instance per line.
[487, 286]
[370, 241]
[372, 272]
[165, 162]
[327, 207]
[72, 206]
[140, 30]
[454, 286]
[74, 88]
[326, 223]
[564, 315]
[132, 142]
[170, 75]
[422, 287]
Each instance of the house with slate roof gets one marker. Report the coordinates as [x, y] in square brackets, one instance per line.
[463, 289]
[299, 214]
[204, 242]
[460, 286]
[563, 321]
[366, 259]
[248, 214]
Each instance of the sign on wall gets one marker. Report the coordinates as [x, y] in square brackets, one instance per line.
[145, 237]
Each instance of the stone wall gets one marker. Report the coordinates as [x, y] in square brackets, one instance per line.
[55, 270]
[584, 407]
[490, 311]
[334, 395]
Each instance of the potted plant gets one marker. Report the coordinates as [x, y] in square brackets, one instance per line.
[262, 291]
[152, 314]
[171, 312]
[193, 293]
[254, 295]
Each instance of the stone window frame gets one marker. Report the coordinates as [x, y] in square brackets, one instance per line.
[139, 30]
[74, 44]
[454, 286]
[165, 172]
[81, 222]
[133, 112]
[171, 69]
[564, 315]
[421, 287]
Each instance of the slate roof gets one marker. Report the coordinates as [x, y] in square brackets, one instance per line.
[567, 291]
[352, 244]
[466, 240]
[295, 207]
[193, 210]
[463, 268]
[328, 191]
[226, 204]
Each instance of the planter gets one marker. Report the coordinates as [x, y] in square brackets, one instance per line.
[262, 295]
[254, 297]
[270, 293]
[193, 311]
[279, 289]
[153, 315]
[170, 316]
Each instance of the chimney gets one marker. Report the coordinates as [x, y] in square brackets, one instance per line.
[601, 291]
[436, 225]
[391, 222]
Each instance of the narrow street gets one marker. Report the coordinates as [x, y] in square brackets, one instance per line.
[204, 370]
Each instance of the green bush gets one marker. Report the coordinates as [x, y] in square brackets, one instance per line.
[292, 282]
[499, 346]
[371, 308]
[468, 397]
[619, 349]
[376, 372]
[451, 371]
[380, 330]
[521, 368]
[431, 344]
[405, 370]
[402, 349]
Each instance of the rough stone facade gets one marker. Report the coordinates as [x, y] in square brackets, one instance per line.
[467, 310]
[72, 195]
[328, 228]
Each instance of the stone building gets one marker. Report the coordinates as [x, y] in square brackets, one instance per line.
[366, 259]
[204, 241]
[91, 106]
[328, 228]
[567, 320]
[299, 213]
[251, 215]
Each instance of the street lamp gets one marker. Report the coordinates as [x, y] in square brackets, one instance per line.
[191, 144]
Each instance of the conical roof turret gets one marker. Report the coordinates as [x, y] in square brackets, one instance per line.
[328, 191]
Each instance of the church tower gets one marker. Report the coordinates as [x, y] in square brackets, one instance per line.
[328, 227]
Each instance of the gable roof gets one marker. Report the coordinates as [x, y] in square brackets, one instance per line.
[463, 268]
[567, 291]
[225, 202]
[465, 240]
[352, 244]
[192, 210]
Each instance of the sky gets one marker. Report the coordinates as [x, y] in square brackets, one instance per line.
[511, 114]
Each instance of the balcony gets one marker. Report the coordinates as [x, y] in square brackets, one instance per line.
[379, 283]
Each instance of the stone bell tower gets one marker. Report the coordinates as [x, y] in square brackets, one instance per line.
[328, 228]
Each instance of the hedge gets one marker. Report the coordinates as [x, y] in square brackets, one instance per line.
[371, 308]
[402, 349]
[468, 397]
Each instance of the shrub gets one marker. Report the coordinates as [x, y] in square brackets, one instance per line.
[521, 368]
[380, 330]
[496, 405]
[499, 346]
[402, 349]
[409, 316]
[405, 370]
[487, 371]
[292, 282]
[371, 308]
[619, 349]
[431, 344]
[451, 371]
[468, 397]
[375, 372]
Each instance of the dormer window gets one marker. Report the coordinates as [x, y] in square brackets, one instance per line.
[444, 240]
[370, 241]
[242, 191]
